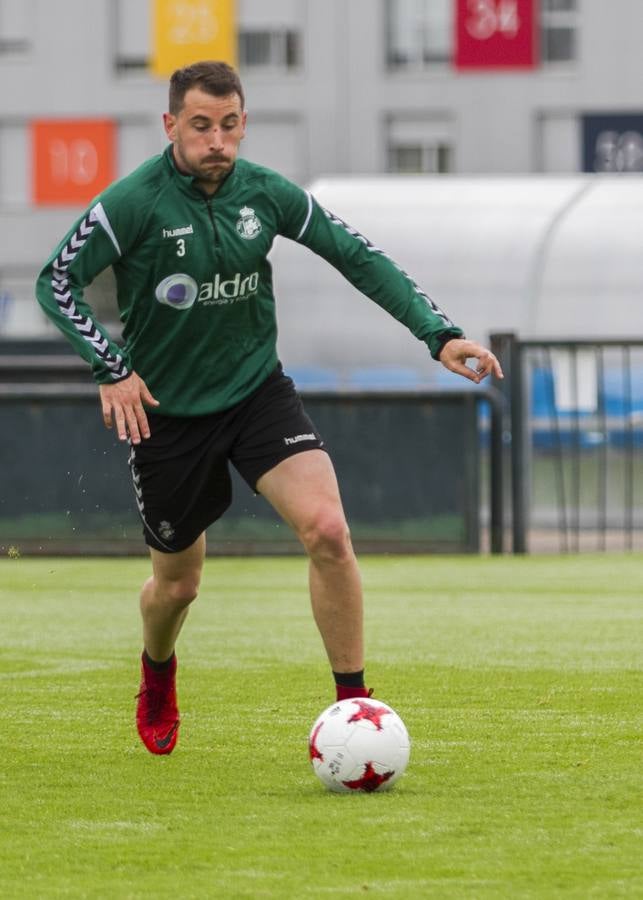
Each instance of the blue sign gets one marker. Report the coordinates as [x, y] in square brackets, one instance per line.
[613, 142]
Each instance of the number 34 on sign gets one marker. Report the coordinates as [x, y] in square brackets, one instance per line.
[487, 18]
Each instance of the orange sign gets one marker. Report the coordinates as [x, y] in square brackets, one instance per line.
[72, 159]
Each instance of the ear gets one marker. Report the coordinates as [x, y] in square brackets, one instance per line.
[169, 123]
[244, 119]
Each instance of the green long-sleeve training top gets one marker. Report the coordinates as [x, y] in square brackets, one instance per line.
[194, 285]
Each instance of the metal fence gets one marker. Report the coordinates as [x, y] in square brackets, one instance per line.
[417, 469]
[574, 431]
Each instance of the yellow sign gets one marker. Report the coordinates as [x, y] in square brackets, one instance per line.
[186, 31]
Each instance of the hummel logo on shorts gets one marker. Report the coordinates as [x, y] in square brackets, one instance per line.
[299, 437]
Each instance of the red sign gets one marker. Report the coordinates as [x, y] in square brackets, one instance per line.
[496, 34]
[72, 159]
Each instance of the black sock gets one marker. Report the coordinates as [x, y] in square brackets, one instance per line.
[158, 666]
[349, 679]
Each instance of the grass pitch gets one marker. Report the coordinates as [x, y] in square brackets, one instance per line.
[519, 681]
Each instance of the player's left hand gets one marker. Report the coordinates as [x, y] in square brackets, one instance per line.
[457, 351]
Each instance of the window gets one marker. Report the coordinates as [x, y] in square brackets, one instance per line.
[418, 158]
[418, 32]
[271, 49]
[15, 150]
[420, 146]
[558, 145]
[132, 37]
[16, 23]
[559, 24]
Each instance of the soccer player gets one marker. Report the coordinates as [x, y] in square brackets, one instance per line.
[198, 385]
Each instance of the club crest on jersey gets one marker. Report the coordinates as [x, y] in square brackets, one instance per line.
[248, 226]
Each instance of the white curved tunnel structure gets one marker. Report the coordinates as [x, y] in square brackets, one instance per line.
[543, 256]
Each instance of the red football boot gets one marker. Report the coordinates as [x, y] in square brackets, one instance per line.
[157, 714]
[348, 693]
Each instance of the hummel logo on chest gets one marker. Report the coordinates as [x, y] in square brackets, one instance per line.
[177, 232]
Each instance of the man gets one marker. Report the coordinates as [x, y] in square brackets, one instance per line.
[198, 384]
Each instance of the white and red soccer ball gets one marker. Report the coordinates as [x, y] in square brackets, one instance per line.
[359, 745]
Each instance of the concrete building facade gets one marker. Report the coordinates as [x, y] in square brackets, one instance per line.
[333, 87]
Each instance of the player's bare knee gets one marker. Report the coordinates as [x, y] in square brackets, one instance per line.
[180, 592]
[327, 538]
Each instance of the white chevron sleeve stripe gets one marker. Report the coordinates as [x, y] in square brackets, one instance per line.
[98, 214]
[308, 215]
[65, 301]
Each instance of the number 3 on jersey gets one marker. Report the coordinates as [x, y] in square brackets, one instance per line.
[180, 247]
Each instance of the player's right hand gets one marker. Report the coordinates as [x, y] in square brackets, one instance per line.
[122, 405]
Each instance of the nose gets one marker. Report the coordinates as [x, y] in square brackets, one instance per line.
[216, 139]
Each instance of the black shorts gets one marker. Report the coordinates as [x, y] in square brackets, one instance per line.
[181, 473]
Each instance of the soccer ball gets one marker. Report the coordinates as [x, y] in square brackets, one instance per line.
[359, 745]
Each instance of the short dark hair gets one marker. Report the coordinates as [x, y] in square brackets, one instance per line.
[211, 76]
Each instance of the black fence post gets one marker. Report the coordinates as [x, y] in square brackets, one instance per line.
[496, 486]
[506, 347]
[519, 473]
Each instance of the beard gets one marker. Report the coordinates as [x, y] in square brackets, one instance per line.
[210, 170]
[213, 167]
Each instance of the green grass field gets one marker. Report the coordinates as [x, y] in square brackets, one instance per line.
[519, 680]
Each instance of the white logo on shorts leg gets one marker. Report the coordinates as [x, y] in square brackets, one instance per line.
[248, 226]
[299, 437]
[166, 531]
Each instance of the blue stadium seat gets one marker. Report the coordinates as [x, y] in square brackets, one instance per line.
[617, 409]
[443, 378]
[614, 391]
[382, 378]
[316, 378]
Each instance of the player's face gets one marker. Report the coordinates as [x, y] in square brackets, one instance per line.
[206, 134]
